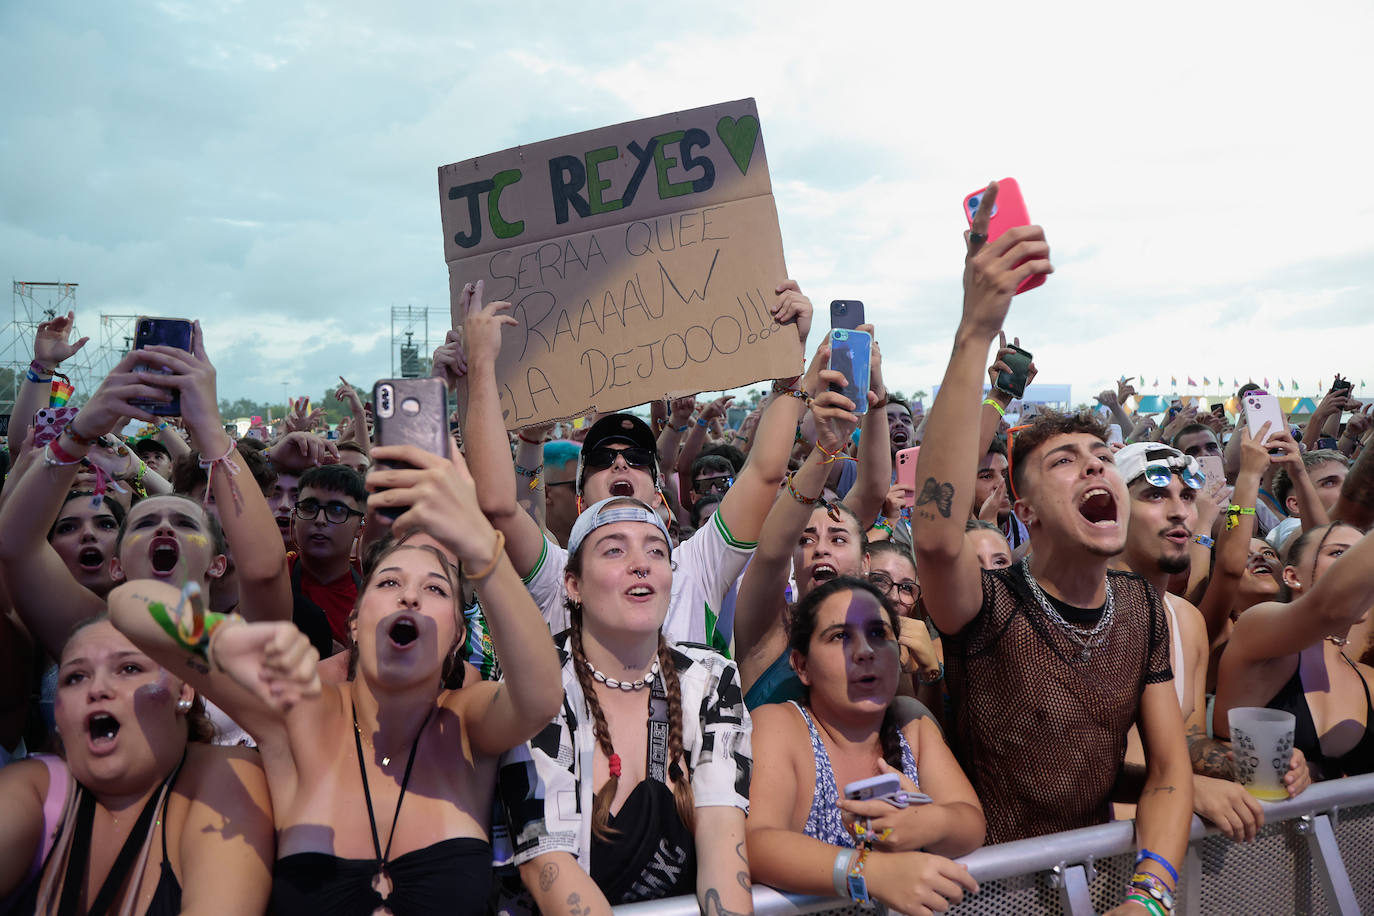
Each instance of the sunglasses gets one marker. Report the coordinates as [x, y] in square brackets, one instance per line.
[335, 513]
[707, 485]
[1157, 473]
[603, 456]
[908, 589]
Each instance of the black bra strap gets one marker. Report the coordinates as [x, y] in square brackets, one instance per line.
[383, 855]
[75, 879]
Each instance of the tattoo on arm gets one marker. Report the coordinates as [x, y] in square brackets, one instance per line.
[743, 876]
[575, 905]
[711, 905]
[547, 875]
[1157, 789]
[941, 495]
[1209, 756]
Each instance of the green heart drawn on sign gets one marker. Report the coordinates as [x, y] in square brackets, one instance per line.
[739, 136]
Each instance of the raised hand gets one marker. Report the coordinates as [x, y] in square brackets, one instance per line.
[792, 305]
[999, 364]
[482, 324]
[993, 269]
[52, 344]
[297, 451]
[438, 496]
[450, 359]
[274, 661]
[193, 376]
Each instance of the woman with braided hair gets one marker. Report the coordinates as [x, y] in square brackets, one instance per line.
[602, 809]
[803, 834]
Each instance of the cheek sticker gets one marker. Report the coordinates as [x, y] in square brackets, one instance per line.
[198, 540]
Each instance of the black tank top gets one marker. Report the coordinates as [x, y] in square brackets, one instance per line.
[1359, 759]
[451, 876]
[653, 856]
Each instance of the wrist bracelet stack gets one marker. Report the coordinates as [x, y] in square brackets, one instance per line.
[39, 373]
[1150, 890]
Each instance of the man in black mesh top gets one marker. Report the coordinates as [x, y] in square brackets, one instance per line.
[1051, 661]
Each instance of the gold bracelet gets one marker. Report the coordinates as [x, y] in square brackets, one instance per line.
[495, 558]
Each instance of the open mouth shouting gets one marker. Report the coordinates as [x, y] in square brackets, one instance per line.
[102, 730]
[90, 559]
[403, 632]
[1098, 507]
[622, 487]
[163, 553]
[823, 572]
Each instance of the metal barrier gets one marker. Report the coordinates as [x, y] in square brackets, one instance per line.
[1315, 855]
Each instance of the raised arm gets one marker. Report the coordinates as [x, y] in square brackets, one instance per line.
[529, 470]
[951, 578]
[1310, 509]
[484, 431]
[1356, 503]
[746, 503]
[439, 497]
[49, 600]
[1233, 544]
[249, 528]
[51, 345]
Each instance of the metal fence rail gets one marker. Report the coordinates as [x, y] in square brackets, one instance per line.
[1315, 855]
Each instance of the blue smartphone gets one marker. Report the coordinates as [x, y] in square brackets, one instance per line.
[849, 355]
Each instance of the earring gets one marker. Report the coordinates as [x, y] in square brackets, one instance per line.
[183, 705]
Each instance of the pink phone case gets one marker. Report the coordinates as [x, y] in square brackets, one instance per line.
[906, 472]
[48, 423]
[1007, 213]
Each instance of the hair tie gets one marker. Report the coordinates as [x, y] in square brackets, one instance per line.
[613, 764]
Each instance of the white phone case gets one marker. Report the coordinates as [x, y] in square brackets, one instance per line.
[1261, 409]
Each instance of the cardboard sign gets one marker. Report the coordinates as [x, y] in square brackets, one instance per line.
[640, 262]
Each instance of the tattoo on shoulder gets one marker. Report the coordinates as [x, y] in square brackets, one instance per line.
[711, 905]
[941, 495]
[547, 876]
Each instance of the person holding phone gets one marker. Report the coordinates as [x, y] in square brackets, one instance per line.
[1043, 633]
[383, 784]
[638, 788]
[843, 640]
[619, 458]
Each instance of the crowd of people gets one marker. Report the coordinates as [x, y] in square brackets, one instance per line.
[569, 668]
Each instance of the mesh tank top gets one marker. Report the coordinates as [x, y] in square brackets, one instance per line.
[1039, 729]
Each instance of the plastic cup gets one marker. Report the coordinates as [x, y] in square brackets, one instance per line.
[1262, 743]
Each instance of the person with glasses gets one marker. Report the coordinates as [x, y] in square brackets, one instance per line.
[324, 579]
[1165, 486]
[1050, 661]
[892, 571]
[619, 457]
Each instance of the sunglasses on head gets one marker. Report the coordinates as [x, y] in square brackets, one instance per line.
[1158, 472]
[603, 456]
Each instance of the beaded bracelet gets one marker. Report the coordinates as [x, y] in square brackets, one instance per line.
[791, 488]
[70, 429]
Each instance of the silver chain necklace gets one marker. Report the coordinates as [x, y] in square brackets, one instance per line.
[1087, 640]
[614, 684]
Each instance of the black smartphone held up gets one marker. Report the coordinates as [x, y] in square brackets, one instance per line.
[1014, 382]
[411, 411]
[164, 332]
[846, 313]
[1219, 409]
[1342, 384]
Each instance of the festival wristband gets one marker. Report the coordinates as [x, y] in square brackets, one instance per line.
[191, 628]
[1204, 540]
[1001, 411]
[703, 423]
[1144, 854]
[1233, 514]
[1153, 886]
[683, 428]
[844, 859]
[1151, 906]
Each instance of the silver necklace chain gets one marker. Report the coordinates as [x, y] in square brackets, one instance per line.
[1087, 640]
[614, 684]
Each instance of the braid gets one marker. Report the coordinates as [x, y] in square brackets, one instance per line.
[891, 738]
[601, 802]
[677, 765]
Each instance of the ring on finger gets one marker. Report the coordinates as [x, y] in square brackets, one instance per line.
[977, 238]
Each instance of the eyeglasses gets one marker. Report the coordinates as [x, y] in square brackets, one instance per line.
[705, 485]
[548, 484]
[909, 590]
[335, 513]
[1158, 472]
[603, 456]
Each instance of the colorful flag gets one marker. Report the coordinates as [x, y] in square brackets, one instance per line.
[1142, 381]
[1295, 384]
[1206, 381]
[1191, 382]
[61, 392]
[1266, 382]
[1235, 382]
[1156, 381]
[1281, 388]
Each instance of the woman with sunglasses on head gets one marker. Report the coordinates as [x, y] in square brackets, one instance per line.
[602, 810]
[1330, 577]
[140, 814]
[382, 786]
[851, 726]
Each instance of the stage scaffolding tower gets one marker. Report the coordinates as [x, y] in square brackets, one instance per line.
[411, 345]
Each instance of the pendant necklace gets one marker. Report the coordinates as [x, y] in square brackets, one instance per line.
[381, 881]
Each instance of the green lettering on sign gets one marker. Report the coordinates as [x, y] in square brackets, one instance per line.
[663, 163]
[596, 184]
[503, 229]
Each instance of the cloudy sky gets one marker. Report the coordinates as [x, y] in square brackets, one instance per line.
[1202, 170]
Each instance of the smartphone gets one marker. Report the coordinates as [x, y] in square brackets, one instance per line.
[1261, 408]
[1339, 384]
[1014, 382]
[849, 355]
[1219, 409]
[1212, 467]
[873, 787]
[906, 472]
[411, 411]
[165, 332]
[846, 313]
[1008, 212]
[48, 423]
[1114, 436]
